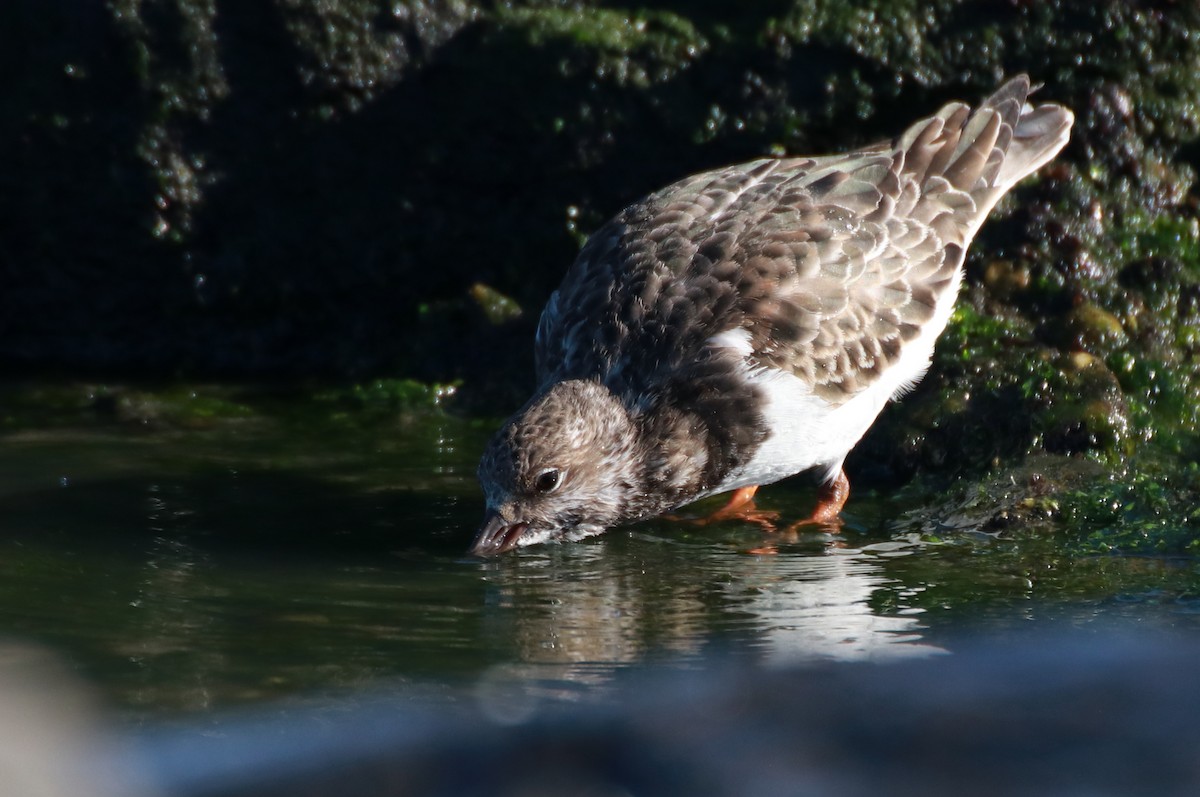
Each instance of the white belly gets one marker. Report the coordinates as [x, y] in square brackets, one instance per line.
[806, 430]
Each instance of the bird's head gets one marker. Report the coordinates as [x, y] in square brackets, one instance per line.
[562, 468]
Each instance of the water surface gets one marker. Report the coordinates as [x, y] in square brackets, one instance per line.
[183, 570]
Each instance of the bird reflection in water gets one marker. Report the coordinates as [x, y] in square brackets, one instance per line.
[576, 614]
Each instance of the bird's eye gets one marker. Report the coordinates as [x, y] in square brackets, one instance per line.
[548, 480]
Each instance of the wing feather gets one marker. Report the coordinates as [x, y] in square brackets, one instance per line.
[832, 265]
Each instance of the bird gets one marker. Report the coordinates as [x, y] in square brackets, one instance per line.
[749, 323]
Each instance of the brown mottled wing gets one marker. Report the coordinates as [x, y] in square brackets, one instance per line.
[847, 272]
[832, 264]
[651, 286]
[848, 269]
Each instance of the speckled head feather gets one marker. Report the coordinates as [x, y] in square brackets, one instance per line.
[754, 320]
[565, 466]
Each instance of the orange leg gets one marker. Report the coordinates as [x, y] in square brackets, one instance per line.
[830, 500]
[737, 502]
[739, 507]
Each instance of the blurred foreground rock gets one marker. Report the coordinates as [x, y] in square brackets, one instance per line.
[1108, 714]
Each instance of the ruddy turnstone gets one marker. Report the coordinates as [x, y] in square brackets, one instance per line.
[749, 323]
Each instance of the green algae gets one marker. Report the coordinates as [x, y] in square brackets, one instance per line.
[971, 333]
[1152, 510]
[37, 405]
[497, 308]
[1177, 237]
[65, 405]
[894, 34]
[637, 47]
[996, 393]
[390, 396]
[1077, 506]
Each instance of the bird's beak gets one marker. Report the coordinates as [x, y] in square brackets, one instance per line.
[497, 536]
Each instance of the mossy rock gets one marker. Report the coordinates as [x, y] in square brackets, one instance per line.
[306, 189]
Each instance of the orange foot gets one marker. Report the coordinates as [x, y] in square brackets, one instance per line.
[737, 503]
[830, 500]
[739, 507]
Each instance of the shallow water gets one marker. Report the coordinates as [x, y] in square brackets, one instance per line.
[188, 570]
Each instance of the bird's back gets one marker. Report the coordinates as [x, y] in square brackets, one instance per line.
[828, 266]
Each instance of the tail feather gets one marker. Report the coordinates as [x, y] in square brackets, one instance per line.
[975, 146]
[985, 152]
[1040, 133]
